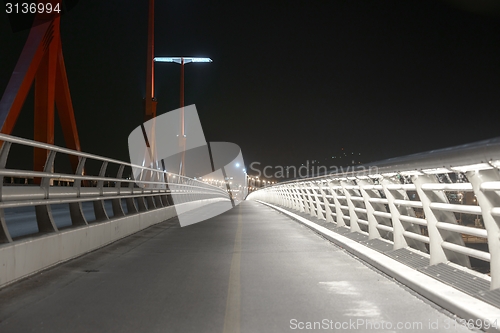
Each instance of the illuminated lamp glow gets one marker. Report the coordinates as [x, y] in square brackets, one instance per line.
[178, 60]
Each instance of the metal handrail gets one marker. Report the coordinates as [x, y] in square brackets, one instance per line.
[446, 158]
[157, 189]
[379, 194]
[57, 149]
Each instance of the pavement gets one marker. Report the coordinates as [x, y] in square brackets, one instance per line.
[251, 269]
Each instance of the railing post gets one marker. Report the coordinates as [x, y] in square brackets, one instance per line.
[4, 231]
[319, 209]
[151, 202]
[75, 208]
[353, 216]
[164, 197]
[275, 196]
[164, 201]
[286, 198]
[487, 200]
[295, 201]
[339, 215]
[328, 210]
[303, 196]
[44, 217]
[400, 241]
[99, 210]
[373, 232]
[299, 197]
[117, 203]
[310, 201]
[157, 198]
[170, 199]
[141, 203]
[131, 208]
[436, 236]
[397, 227]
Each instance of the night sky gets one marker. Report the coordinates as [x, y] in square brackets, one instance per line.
[291, 80]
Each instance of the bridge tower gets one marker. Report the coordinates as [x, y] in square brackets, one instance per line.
[150, 100]
[42, 62]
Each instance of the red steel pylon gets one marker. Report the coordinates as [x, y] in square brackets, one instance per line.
[42, 61]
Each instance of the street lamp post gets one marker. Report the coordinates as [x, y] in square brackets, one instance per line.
[150, 101]
[182, 61]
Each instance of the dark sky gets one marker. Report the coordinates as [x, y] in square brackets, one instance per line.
[291, 80]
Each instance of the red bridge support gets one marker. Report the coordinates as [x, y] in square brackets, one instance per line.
[42, 61]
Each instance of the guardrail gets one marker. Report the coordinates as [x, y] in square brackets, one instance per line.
[444, 203]
[125, 196]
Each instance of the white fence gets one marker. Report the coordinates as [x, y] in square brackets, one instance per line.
[445, 203]
[89, 212]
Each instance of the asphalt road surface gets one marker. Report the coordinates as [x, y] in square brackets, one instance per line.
[250, 269]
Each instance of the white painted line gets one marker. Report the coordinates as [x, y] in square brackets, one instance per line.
[451, 299]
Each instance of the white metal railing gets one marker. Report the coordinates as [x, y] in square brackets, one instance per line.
[154, 193]
[445, 203]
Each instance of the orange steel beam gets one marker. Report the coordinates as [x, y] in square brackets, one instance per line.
[23, 76]
[45, 81]
[65, 110]
[42, 61]
[150, 102]
[182, 137]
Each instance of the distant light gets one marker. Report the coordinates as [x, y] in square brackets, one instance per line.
[179, 59]
[238, 165]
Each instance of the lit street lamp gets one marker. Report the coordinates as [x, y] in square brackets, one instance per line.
[182, 61]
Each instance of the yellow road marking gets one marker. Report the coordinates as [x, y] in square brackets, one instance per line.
[232, 317]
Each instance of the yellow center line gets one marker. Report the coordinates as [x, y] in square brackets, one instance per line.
[232, 316]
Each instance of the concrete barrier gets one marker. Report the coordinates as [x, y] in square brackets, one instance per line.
[30, 255]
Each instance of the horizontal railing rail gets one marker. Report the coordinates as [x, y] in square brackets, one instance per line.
[444, 203]
[152, 188]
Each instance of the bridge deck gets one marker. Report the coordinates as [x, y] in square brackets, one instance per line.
[251, 270]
